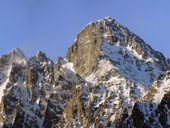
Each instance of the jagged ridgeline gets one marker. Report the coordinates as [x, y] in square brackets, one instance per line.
[110, 78]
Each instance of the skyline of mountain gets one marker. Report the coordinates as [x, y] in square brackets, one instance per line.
[51, 26]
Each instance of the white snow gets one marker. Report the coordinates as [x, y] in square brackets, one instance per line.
[104, 66]
[134, 52]
[68, 65]
[112, 117]
[161, 91]
[68, 71]
[4, 83]
[125, 58]
[38, 101]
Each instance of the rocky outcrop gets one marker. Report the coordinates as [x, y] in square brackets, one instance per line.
[33, 95]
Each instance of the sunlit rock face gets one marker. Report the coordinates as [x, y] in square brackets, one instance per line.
[109, 78]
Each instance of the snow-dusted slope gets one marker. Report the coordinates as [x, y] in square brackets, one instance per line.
[131, 64]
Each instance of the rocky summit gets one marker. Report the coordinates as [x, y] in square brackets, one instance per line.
[110, 78]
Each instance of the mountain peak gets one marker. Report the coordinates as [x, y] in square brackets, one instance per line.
[110, 19]
[14, 56]
[41, 54]
[125, 50]
[17, 52]
[39, 57]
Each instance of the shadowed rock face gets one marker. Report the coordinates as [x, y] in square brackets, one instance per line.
[110, 78]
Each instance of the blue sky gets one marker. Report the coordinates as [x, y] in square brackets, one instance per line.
[52, 25]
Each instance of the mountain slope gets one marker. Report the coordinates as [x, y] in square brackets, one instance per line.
[122, 69]
[109, 78]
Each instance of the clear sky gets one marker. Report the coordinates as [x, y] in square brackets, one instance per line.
[52, 25]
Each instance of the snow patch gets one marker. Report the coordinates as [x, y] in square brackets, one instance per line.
[104, 66]
[68, 71]
[161, 91]
[4, 83]
[67, 65]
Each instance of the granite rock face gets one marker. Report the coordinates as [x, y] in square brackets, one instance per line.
[110, 78]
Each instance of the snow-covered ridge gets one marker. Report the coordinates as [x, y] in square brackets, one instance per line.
[130, 64]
